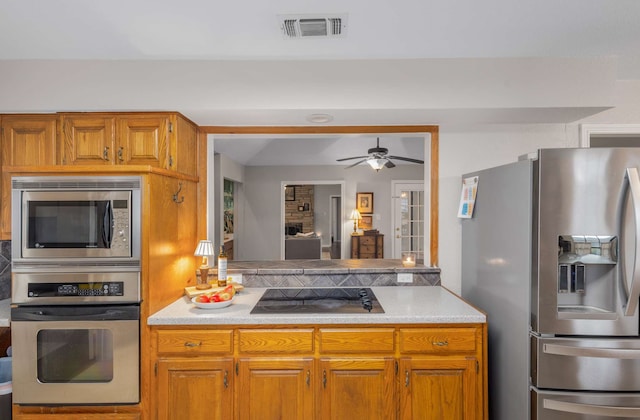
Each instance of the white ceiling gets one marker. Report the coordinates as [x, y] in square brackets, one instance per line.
[400, 62]
[377, 29]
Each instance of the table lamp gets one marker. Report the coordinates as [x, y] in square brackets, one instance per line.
[355, 216]
[204, 250]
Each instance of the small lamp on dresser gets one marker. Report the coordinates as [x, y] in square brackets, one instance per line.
[355, 216]
[204, 250]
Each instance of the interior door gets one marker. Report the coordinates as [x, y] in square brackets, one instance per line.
[408, 225]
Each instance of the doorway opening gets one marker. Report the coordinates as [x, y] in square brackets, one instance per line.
[335, 221]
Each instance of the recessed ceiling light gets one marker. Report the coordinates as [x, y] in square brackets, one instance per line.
[320, 118]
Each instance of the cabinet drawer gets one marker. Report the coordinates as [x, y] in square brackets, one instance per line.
[195, 342]
[276, 341]
[368, 249]
[367, 240]
[345, 340]
[437, 340]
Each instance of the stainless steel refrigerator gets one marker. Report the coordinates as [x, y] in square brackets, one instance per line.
[552, 254]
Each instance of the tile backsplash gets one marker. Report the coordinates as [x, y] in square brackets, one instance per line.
[5, 270]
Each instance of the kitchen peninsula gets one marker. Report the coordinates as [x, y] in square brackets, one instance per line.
[424, 357]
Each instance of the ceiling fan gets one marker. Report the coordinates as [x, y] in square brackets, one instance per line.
[378, 158]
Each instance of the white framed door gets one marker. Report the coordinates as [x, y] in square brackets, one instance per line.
[408, 218]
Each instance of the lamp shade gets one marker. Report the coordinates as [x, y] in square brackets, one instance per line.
[377, 164]
[204, 249]
[355, 215]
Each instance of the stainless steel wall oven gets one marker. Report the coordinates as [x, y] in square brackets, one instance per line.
[76, 338]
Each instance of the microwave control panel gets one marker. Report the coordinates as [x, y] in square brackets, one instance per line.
[121, 228]
[114, 288]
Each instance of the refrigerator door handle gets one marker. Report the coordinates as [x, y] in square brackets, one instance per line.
[560, 350]
[590, 409]
[632, 183]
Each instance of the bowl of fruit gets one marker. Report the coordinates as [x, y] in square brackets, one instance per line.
[215, 300]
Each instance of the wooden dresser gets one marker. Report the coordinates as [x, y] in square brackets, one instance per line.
[367, 246]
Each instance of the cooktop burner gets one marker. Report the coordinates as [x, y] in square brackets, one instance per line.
[347, 300]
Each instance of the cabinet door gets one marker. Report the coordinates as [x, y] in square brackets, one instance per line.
[274, 389]
[196, 389]
[88, 140]
[439, 389]
[183, 149]
[26, 141]
[357, 389]
[143, 140]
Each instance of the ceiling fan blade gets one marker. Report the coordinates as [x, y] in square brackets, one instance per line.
[355, 164]
[406, 158]
[390, 164]
[354, 157]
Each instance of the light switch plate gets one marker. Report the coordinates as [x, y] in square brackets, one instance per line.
[405, 277]
[235, 277]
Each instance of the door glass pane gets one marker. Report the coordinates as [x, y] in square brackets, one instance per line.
[83, 355]
[412, 224]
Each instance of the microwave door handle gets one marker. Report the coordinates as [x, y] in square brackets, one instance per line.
[591, 409]
[107, 225]
[632, 185]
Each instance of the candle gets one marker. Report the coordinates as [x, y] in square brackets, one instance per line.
[408, 259]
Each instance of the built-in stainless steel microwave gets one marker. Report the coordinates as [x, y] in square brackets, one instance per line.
[76, 221]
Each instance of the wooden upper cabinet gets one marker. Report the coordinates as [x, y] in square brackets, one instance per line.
[143, 140]
[27, 140]
[161, 140]
[87, 139]
[183, 146]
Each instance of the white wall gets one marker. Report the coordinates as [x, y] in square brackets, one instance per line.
[261, 219]
[470, 148]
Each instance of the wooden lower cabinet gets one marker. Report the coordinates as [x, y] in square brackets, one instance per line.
[195, 389]
[273, 389]
[439, 388]
[357, 388]
[328, 372]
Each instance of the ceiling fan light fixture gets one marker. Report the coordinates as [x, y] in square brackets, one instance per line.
[377, 164]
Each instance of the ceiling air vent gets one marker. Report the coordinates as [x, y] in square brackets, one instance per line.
[304, 26]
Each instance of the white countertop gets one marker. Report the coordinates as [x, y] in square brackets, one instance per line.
[5, 312]
[402, 304]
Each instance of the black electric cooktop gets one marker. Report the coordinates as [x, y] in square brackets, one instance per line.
[348, 300]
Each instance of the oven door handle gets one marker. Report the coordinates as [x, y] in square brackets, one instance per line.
[87, 314]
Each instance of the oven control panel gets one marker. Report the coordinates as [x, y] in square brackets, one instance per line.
[112, 288]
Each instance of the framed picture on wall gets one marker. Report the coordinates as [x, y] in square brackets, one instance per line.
[364, 202]
[366, 223]
[290, 193]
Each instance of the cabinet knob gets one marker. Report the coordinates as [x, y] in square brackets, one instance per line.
[121, 154]
[105, 153]
[192, 344]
